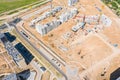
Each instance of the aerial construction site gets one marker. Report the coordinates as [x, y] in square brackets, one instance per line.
[80, 38]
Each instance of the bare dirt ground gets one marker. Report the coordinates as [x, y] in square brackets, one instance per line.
[7, 64]
[46, 76]
[4, 67]
[85, 54]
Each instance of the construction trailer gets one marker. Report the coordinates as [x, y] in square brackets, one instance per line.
[72, 2]
[78, 26]
[66, 16]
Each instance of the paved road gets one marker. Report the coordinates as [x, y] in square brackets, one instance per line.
[46, 48]
[37, 69]
[35, 13]
[41, 53]
[16, 14]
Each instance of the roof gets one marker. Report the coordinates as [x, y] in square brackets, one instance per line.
[10, 77]
[1, 35]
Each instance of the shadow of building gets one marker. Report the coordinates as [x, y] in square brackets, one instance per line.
[115, 75]
[24, 75]
[24, 52]
[10, 37]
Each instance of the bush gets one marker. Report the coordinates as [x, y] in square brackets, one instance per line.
[114, 5]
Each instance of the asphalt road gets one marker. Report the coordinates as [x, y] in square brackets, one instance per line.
[42, 54]
[46, 48]
[35, 13]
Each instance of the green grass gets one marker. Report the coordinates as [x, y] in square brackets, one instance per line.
[114, 5]
[6, 5]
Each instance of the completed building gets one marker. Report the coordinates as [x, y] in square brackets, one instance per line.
[10, 77]
[13, 52]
